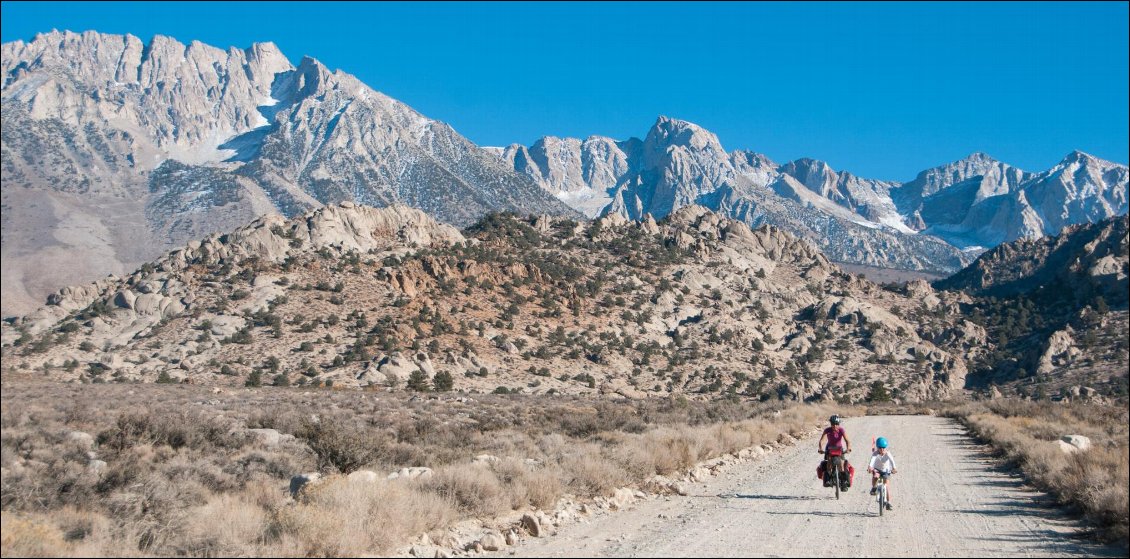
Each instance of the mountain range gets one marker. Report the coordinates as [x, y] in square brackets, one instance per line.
[115, 150]
[971, 204]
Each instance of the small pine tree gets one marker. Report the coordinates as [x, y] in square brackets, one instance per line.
[164, 378]
[1100, 305]
[418, 381]
[443, 381]
[281, 380]
[254, 379]
[878, 392]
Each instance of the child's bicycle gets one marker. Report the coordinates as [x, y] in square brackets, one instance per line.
[881, 491]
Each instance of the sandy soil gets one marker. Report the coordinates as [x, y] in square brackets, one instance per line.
[951, 500]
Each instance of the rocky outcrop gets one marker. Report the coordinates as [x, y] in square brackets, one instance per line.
[130, 306]
[1083, 259]
[1059, 351]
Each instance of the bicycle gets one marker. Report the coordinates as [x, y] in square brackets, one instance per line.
[833, 466]
[881, 490]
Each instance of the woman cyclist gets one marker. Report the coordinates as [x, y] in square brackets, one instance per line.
[837, 437]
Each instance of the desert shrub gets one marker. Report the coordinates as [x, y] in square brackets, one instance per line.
[24, 536]
[419, 382]
[343, 518]
[587, 472]
[339, 447]
[473, 489]
[527, 483]
[174, 430]
[225, 526]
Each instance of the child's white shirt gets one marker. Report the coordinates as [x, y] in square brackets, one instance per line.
[882, 463]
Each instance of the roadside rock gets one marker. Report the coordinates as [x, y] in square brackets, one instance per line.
[1066, 447]
[365, 476]
[96, 467]
[300, 481]
[493, 541]
[1078, 441]
[267, 437]
[531, 524]
[411, 473]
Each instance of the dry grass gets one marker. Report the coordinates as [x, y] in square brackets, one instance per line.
[183, 477]
[1096, 481]
[344, 518]
[24, 536]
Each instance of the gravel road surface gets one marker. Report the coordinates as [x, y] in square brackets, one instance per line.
[951, 499]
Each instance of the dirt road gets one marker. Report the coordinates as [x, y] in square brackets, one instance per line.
[950, 499]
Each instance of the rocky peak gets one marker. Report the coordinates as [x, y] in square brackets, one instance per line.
[556, 161]
[1077, 156]
[747, 158]
[341, 227]
[817, 175]
[273, 238]
[1076, 160]
[312, 77]
[669, 132]
[266, 54]
[580, 172]
[999, 178]
[754, 166]
[1080, 189]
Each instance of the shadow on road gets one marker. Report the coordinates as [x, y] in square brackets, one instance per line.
[839, 514]
[771, 497]
[1080, 542]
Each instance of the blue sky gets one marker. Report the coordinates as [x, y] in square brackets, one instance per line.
[882, 90]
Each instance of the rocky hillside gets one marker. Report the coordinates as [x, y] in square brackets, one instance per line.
[1056, 308]
[114, 150]
[937, 222]
[355, 296]
[1084, 260]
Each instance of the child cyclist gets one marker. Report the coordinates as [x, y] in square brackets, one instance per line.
[881, 461]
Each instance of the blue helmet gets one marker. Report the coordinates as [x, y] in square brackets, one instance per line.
[881, 442]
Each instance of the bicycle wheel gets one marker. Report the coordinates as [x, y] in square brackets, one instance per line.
[882, 495]
[836, 478]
